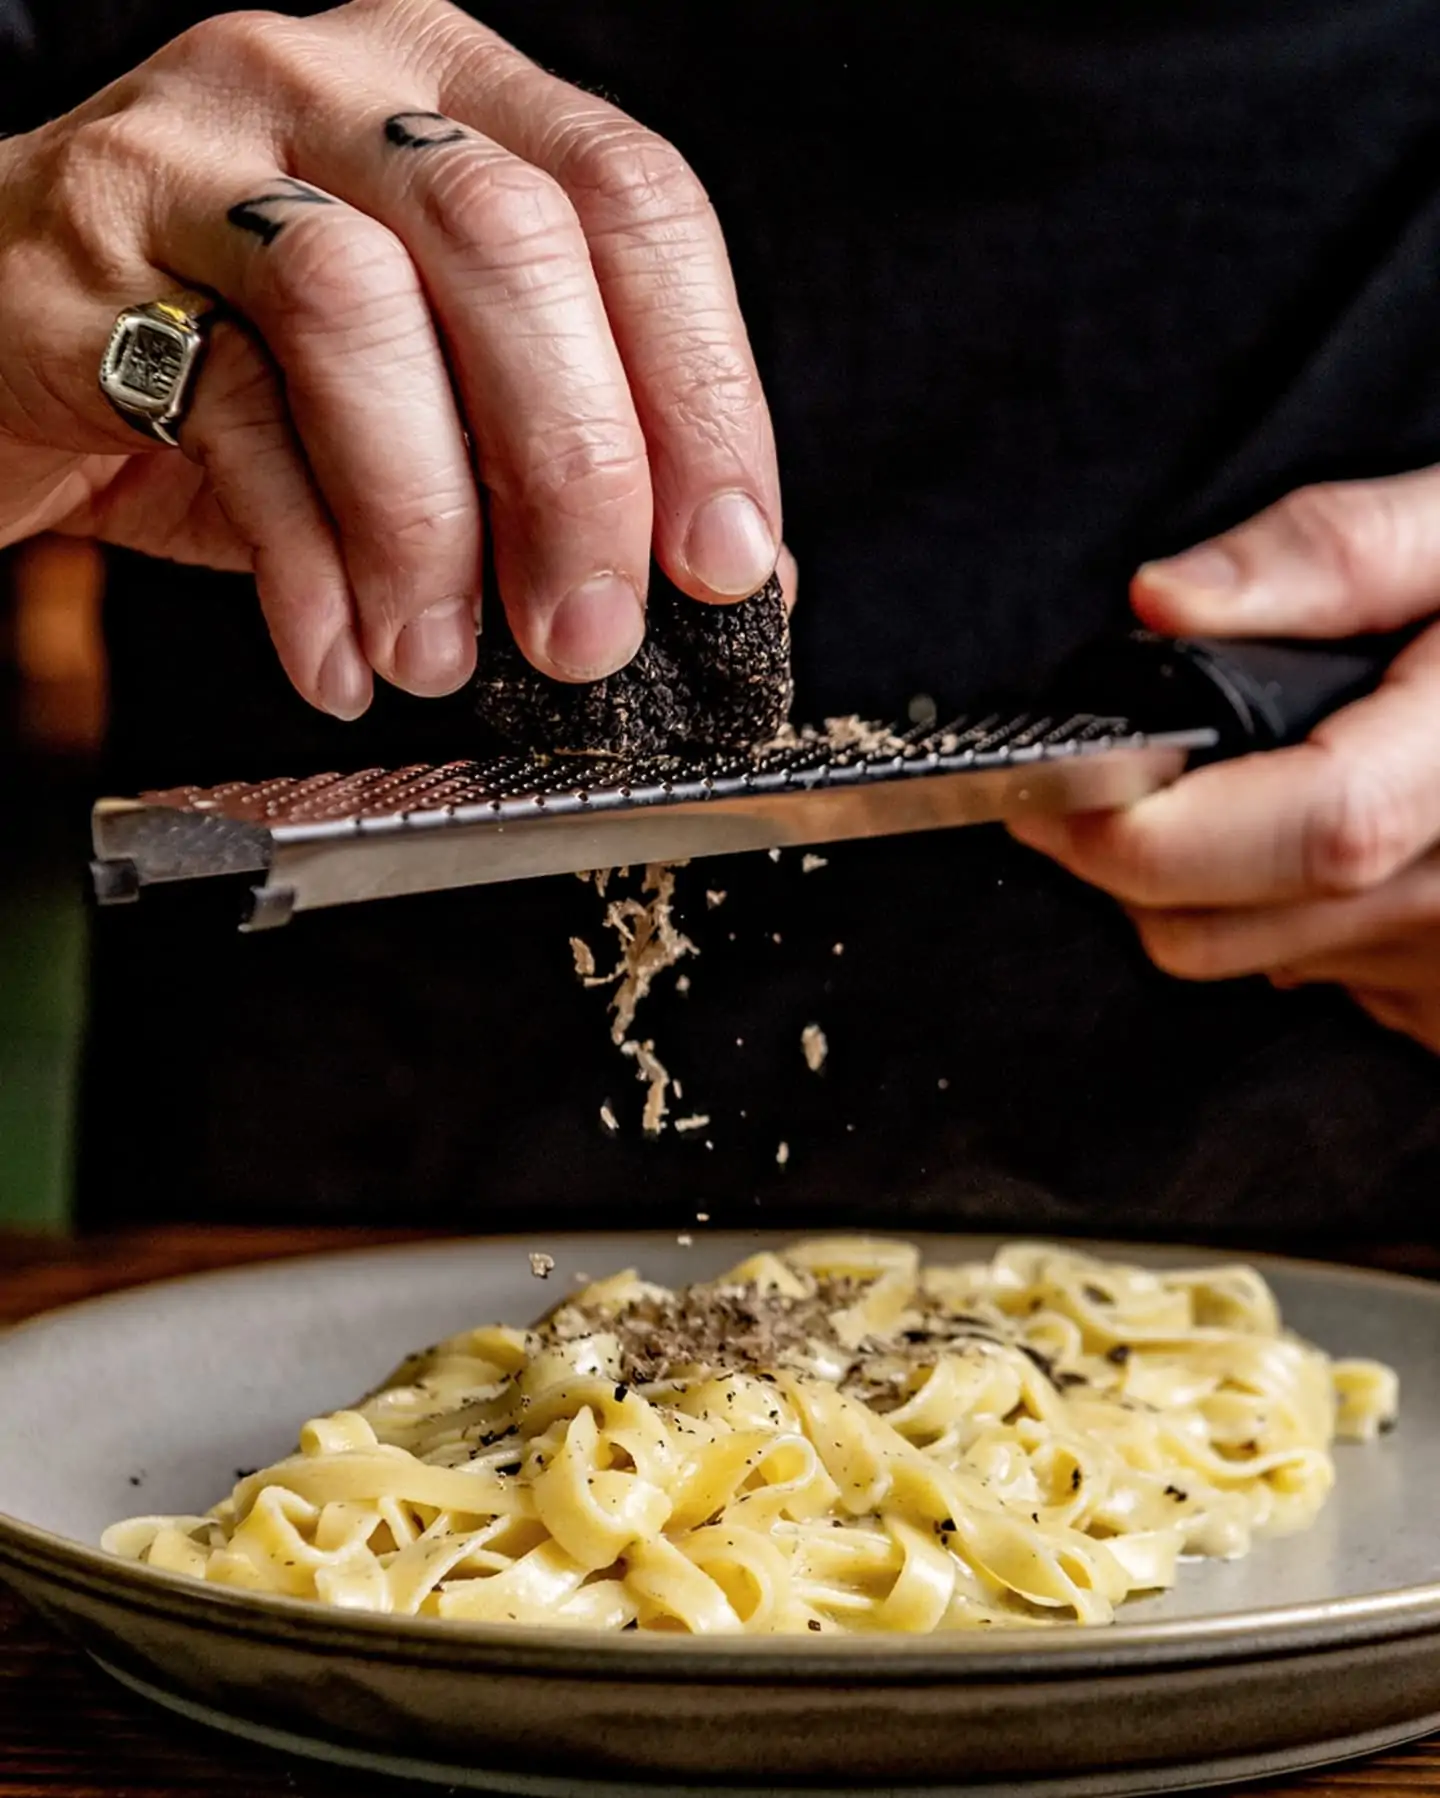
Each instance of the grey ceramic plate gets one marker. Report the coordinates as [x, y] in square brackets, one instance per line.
[1320, 1646]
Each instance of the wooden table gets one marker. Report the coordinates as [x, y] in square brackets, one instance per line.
[68, 1732]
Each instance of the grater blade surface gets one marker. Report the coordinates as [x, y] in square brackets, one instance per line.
[331, 839]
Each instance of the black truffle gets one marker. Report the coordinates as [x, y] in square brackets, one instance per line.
[707, 677]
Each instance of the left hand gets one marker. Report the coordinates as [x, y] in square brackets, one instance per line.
[1321, 862]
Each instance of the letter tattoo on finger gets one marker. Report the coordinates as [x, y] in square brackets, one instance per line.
[408, 130]
[253, 215]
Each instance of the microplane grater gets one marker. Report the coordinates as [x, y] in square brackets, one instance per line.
[332, 839]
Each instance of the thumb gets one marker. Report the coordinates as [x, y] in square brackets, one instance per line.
[1337, 560]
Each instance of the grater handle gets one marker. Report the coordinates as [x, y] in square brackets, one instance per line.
[1255, 693]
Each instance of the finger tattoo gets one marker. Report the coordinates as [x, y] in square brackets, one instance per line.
[257, 215]
[414, 130]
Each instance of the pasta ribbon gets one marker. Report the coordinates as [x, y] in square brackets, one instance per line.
[833, 1438]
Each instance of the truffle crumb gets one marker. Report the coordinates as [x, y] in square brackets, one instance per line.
[609, 1120]
[782, 1154]
[774, 855]
[682, 983]
[810, 864]
[650, 942]
[840, 734]
[652, 1072]
[943, 1083]
[702, 1217]
[815, 1046]
[715, 897]
[542, 1266]
[837, 949]
[584, 957]
[685, 1240]
[697, 1121]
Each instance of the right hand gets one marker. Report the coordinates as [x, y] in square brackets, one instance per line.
[416, 234]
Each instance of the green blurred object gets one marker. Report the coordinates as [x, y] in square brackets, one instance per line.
[43, 957]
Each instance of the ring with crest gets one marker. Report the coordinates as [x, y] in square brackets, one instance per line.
[150, 363]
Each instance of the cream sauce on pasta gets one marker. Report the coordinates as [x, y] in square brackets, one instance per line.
[831, 1438]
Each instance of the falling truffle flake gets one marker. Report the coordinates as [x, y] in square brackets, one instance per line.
[707, 677]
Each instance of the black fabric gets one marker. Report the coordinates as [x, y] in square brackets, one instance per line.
[1037, 289]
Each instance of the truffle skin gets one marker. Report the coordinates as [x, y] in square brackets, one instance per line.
[707, 677]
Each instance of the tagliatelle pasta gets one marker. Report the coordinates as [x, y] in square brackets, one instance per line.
[832, 1438]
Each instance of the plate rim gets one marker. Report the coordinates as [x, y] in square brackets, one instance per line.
[982, 1656]
[1164, 1777]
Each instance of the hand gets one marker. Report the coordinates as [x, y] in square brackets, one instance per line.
[418, 238]
[1322, 862]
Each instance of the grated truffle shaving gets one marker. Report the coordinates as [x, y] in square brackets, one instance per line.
[652, 1072]
[720, 1327]
[811, 864]
[782, 1154]
[851, 732]
[815, 1047]
[542, 1266]
[650, 942]
[696, 1121]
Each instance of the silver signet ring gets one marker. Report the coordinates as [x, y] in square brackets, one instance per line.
[150, 363]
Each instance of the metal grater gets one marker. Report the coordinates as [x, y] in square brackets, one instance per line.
[335, 839]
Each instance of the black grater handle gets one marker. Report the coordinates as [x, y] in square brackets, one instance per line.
[1254, 693]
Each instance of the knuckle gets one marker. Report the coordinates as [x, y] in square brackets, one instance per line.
[1359, 834]
[99, 170]
[1347, 527]
[230, 44]
[342, 275]
[582, 469]
[499, 205]
[715, 393]
[638, 177]
[259, 53]
[420, 546]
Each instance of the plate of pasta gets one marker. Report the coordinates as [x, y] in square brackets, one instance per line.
[840, 1513]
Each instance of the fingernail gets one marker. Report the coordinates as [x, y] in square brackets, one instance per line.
[345, 684]
[596, 628]
[1208, 566]
[730, 547]
[435, 651]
